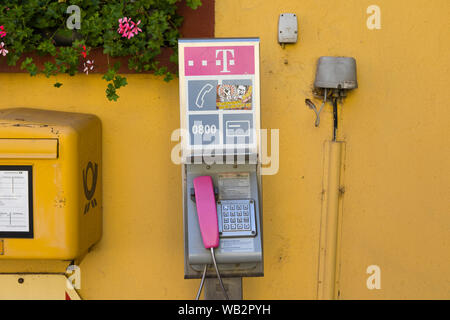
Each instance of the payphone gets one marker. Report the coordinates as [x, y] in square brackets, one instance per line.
[220, 121]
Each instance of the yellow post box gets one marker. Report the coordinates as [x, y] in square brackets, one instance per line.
[50, 184]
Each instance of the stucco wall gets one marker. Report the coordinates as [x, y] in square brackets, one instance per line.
[395, 125]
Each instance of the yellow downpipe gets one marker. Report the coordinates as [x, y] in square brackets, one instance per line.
[331, 229]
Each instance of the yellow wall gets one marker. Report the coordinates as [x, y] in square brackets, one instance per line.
[396, 203]
[395, 125]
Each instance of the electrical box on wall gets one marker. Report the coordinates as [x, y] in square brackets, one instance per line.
[336, 73]
[50, 184]
[287, 28]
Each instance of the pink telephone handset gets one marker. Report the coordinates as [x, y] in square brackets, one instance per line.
[207, 211]
[207, 219]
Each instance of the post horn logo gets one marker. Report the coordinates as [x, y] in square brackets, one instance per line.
[89, 191]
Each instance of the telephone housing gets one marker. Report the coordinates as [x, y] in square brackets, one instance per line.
[239, 253]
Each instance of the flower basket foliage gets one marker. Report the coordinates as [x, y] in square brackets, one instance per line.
[65, 32]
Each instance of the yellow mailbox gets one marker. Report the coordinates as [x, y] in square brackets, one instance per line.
[50, 184]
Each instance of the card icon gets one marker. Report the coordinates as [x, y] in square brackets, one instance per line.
[237, 128]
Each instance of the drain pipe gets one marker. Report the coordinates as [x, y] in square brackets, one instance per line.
[330, 243]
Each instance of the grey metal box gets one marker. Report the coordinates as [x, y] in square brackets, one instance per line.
[336, 73]
[287, 28]
[240, 256]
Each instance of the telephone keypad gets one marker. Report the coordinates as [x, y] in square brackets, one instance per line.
[236, 218]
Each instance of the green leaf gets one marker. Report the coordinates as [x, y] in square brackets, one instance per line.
[50, 69]
[194, 4]
[120, 81]
[109, 75]
[111, 93]
[168, 77]
[47, 47]
[28, 65]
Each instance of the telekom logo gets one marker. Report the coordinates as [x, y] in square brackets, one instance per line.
[230, 60]
[224, 59]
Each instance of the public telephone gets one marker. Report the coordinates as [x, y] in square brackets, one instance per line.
[220, 118]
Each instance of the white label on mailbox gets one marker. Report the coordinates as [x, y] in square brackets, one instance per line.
[14, 210]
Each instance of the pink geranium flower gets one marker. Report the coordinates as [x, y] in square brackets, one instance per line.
[127, 28]
[3, 50]
[88, 66]
[2, 32]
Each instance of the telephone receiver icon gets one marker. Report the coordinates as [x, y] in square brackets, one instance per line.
[201, 95]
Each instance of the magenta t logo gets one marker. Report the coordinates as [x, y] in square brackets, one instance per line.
[230, 60]
[225, 61]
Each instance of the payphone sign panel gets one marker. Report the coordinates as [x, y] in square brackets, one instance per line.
[219, 94]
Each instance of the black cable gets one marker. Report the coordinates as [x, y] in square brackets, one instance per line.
[335, 119]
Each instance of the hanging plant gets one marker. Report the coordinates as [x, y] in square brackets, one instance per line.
[136, 29]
